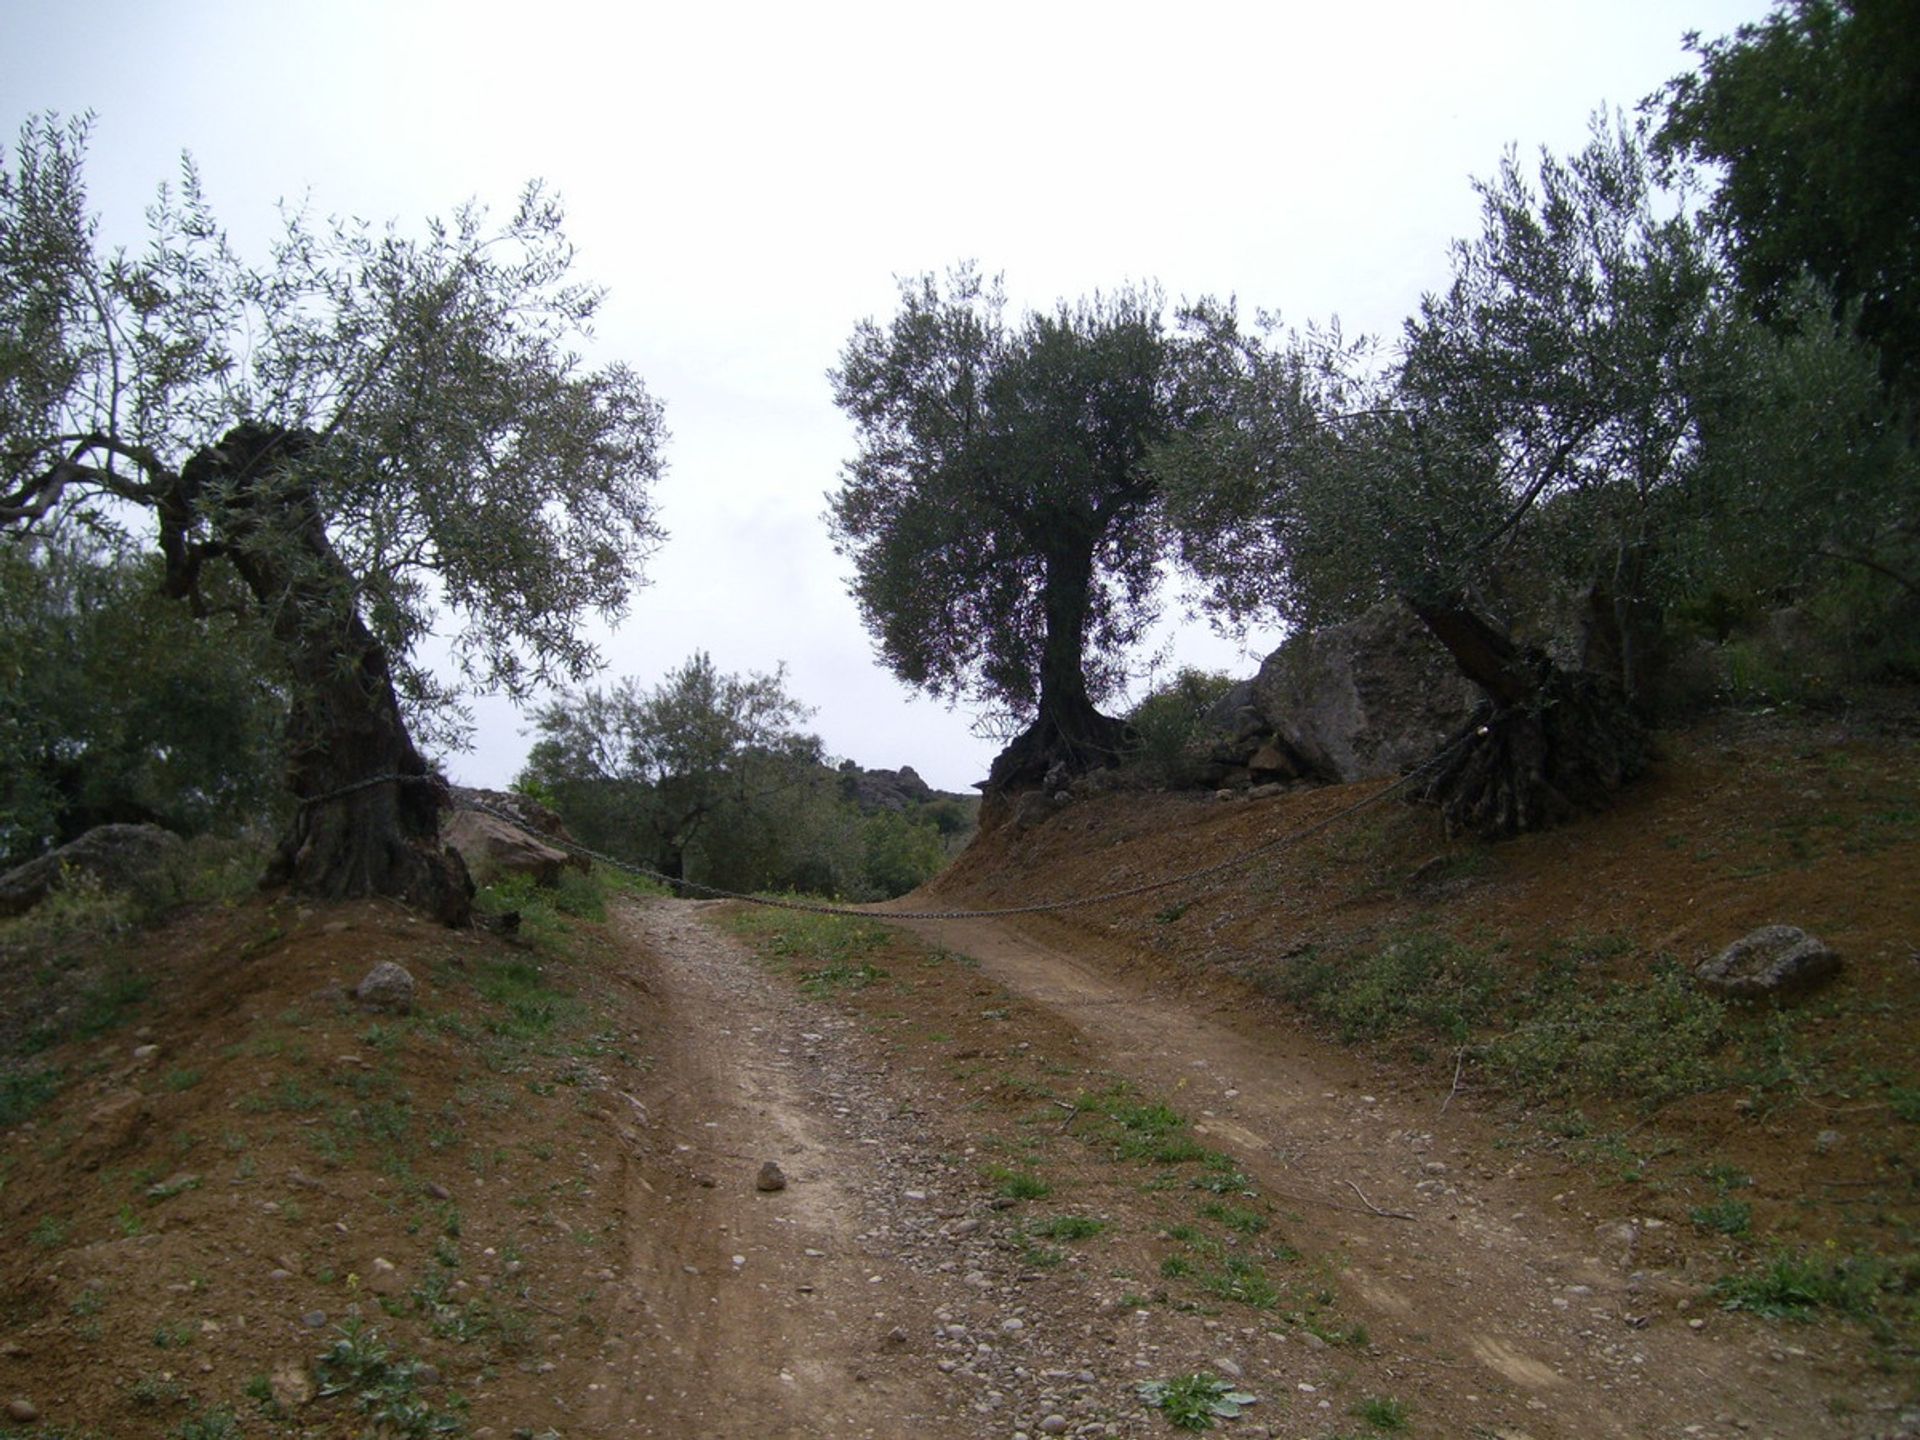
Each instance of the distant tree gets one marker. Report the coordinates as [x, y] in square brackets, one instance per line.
[1532, 432]
[1004, 528]
[1811, 118]
[370, 430]
[695, 767]
[117, 707]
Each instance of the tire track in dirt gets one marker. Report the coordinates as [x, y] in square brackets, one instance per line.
[750, 1313]
[1491, 1288]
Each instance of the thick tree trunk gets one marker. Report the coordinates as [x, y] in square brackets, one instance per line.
[1547, 744]
[368, 822]
[1068, 735]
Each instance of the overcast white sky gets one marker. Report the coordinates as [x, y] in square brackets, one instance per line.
[747, 179]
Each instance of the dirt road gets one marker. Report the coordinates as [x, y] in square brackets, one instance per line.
[887, 1290]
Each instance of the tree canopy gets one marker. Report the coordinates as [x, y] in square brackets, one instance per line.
[1001, 518]
[1811, 119]
[1526, 437]
[116, 706]
[379, 433]
[707, 777]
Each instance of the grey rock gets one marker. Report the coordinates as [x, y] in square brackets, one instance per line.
[1774, 962]
[770, 1178]
[291, 1384]
[116, 857]
[494, 849]
[1362, 700]
[23, 1412]
[386, 987]
[525, 813]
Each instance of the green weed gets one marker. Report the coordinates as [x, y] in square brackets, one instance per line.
[1723, 1217]
[1193, 1402]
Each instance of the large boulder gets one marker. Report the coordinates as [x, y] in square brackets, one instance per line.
[117, 857]
[493, 848]
[522, 812]
[1369, 698]
[1775, 962]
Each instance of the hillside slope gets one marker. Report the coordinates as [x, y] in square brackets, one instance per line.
[1544, 980]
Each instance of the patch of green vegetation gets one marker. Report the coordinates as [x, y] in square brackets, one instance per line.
[1235, 1218]
[49, 1233]
[24, 1092]
[1651, 1042]
[1068, 1227]
[1019, 1184]
[811, 943]
[382, 1386]
[828, 979]
[1792, 1285]
[1194, 1402]
[1725, 1216]
[520, 988]
[1242, 1281]
[215, 1424]
[1419, 982]
[1381, 1413]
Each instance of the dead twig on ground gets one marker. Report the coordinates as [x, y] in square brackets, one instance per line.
[1459, 1059]
[1385, 1214]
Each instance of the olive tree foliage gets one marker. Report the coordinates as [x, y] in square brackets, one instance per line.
[1531, 434]
[693, 777]
[116, 706]
[1810, 119]
[382, 435]
[1002, 522]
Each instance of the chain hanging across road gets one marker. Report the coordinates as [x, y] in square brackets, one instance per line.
[867, 912]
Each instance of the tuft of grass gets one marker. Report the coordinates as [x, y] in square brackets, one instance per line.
[1651, 1042]
[24, 1092]
[1068, 1227]
[1381, 1413]
[382, 1386]
[809, 943]
[828, 979]
[1792, 1285]
[1724, 1216]
[1019, 1184]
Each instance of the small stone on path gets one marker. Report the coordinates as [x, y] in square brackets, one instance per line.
[771, 1178]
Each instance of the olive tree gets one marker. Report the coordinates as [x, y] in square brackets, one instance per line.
[1000, 515]
[1531, 433]
[380, 434]
[704, 766]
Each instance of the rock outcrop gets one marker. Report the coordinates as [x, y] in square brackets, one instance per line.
[116, 857]
[1366, 699]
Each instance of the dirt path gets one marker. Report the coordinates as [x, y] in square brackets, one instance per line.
[753, 1312]
[1534, 1296]
[888, 1291]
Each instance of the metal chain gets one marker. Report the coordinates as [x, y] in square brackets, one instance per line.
[808, 907]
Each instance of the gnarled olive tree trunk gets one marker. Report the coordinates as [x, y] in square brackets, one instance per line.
[1067, 731]
[1546, 744]
[368, 818]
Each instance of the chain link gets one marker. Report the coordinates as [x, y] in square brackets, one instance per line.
[810, 907]
[1104, 897]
